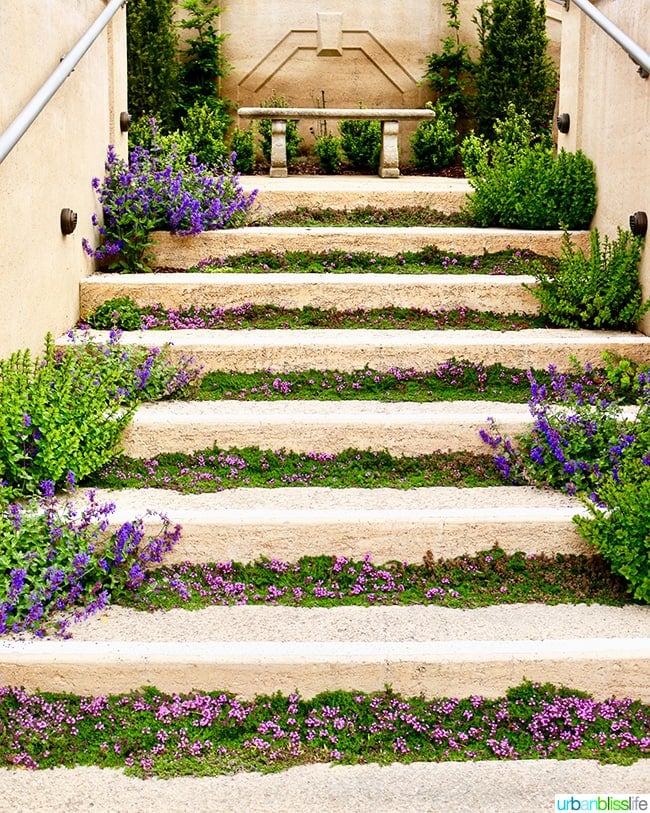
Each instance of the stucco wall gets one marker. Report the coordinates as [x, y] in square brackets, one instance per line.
[609, 105]
[52, 166]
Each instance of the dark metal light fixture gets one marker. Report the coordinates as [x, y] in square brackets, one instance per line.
[125, 122]
[68, 221]
[564, 122]
[639, 224]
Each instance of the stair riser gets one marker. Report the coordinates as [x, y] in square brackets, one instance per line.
[284, 351]
[173, 251]
[452, 668]
[245, 537]
[340, 291]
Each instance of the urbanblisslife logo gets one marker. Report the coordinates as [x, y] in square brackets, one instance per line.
[604, 801]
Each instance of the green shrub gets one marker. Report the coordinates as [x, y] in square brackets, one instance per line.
[361, 142]
[242, 143]
[434, 141]
[63, 413]
[329, 152]
[450, 73]
[519, 183]
[601, 290]
[474, 152]
[120, 313]
[203, 129]
[514, 66]
[619, 528]
[293, 139]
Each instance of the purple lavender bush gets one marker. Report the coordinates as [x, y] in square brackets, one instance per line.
[160, 189]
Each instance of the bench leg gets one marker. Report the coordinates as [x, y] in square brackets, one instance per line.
[389, 158]
[278, 149]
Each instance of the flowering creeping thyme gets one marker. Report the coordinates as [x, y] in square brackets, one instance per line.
[454, 379]
[426, 261]
[150, 733]
[59, 562]
[156, 190]
[64, 412]
[488, 578]
[219, 469]
[248, 315]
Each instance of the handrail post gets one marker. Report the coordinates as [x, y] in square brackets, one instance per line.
[19, 126]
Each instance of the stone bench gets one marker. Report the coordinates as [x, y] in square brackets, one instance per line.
[389, 118]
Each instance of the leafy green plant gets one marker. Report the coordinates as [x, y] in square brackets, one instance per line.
[120, 313]
[361, 142]
[201, 63]
[619, 526]
[450, 73]
[434, 141]
[204, 126]
[601, 290]
[518, 182]
[153, 71]
[63, 413]
[242, 143]
[328, 149]
[292, 137]
[513, 65]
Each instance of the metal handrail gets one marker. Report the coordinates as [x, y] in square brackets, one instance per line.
[32, 109]
[634, 51]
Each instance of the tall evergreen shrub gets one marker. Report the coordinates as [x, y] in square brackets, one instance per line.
[514, 66]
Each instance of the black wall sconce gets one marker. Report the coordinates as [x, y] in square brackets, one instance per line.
[68, 221]
[639, 224]
[564, 122]
[125, 122]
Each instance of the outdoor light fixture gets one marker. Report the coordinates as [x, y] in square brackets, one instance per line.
[563, 122]
[68, 221]
[639, 224]
[125, 122]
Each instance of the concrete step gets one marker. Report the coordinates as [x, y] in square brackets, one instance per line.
[501, 294]
[174, 251]
[341, 192]
[347, 350]
[415, 650]
[289, 522]
[403, 428]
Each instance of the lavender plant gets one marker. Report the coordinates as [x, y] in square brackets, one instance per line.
[63, 413]
[158, 189]
[58, 562]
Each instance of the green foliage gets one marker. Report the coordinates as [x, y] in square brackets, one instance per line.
[293, 140]
[600, 291]
[204, 127]
[450, 73]
[201, 63]
[153, 73]
[434, 141]
[361, 142]
[329, 152]
[120, 313]
[619, 527]
[242, 143]
[64, 412]
[519, 183]
[514, 66]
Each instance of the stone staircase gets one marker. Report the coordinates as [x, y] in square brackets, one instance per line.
[431, 650]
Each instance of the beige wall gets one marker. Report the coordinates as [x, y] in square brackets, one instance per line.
[609, 105]
[52, 166]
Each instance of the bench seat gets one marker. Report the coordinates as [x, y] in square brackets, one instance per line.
[389, 118]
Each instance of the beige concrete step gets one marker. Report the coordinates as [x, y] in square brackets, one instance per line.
[501, 294]
[446, 195]
[174, 251]
[605, 667]
[403, 428]
[347, 350]
[289, 522]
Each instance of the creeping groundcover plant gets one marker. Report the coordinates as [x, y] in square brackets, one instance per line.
[159, 189]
